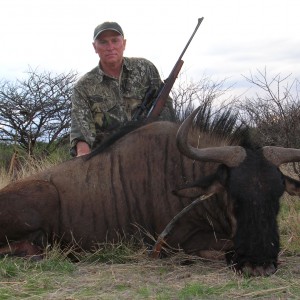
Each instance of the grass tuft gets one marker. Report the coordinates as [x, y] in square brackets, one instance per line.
[121, 252]
[289, 225]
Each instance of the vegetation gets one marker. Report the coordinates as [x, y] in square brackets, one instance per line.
[124, 270]
[36, 109]
[274, 111]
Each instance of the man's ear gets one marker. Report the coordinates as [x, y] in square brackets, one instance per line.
[93, 43]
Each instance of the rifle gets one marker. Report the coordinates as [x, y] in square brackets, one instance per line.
[156, 106]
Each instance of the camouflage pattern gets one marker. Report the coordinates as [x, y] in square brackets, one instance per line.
[100, 103]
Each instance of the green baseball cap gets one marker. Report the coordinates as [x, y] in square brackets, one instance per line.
[108, 26]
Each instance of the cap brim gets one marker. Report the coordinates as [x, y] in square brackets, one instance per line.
[112, 29]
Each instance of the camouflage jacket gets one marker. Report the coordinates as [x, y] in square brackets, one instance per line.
[100, 103]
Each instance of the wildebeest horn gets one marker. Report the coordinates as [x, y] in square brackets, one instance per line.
[231, 156]
[280, 155]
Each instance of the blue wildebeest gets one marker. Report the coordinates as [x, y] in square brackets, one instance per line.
[146, 178]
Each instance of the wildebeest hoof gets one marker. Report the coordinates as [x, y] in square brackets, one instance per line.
[249, 270]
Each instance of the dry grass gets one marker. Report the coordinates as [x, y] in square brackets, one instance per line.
[289, 224]
[25, 165]
[5, 179]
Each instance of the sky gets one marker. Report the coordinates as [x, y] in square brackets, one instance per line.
[235, 39]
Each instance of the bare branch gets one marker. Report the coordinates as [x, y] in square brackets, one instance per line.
[36, 109]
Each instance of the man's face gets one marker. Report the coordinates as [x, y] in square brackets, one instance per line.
[110, 46]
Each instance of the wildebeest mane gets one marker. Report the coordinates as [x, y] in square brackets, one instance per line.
[118, 134]
[223, 123]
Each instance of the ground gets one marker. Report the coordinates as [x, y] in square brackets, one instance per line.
[145, 278]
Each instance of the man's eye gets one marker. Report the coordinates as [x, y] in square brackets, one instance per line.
[103, 42]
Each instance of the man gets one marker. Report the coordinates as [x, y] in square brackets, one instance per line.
[107, 96]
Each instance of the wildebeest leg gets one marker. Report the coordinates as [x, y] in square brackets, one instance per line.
[161, 240]
[22, 249]
[201, 241]
[215, 248]
[29, 214]
[30, 247]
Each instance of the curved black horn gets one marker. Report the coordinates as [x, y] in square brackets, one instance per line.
[281, 155]
[231, 156]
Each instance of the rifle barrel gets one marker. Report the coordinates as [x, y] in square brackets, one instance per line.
[192, 36]
[161, 99]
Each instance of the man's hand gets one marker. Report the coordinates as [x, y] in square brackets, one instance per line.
[82, 148]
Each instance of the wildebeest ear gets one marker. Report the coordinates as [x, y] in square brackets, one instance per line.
[292, 186]
[205, 185]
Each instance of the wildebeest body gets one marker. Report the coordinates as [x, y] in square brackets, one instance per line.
[129, 186]
[28, 210]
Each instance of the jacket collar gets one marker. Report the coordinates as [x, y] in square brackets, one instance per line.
[126, 65]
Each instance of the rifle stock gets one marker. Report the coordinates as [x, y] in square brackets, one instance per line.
[162, 97]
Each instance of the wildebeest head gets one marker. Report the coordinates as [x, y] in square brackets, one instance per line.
[253, 183]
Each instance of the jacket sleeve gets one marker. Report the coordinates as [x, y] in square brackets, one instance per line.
[82, 124]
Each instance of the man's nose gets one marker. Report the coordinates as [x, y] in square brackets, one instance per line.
[110, 45]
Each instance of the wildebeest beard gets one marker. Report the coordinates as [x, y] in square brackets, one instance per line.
[255, 188]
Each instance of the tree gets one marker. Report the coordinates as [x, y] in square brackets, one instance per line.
[205, 92]
[36, 109]
[274, 111]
